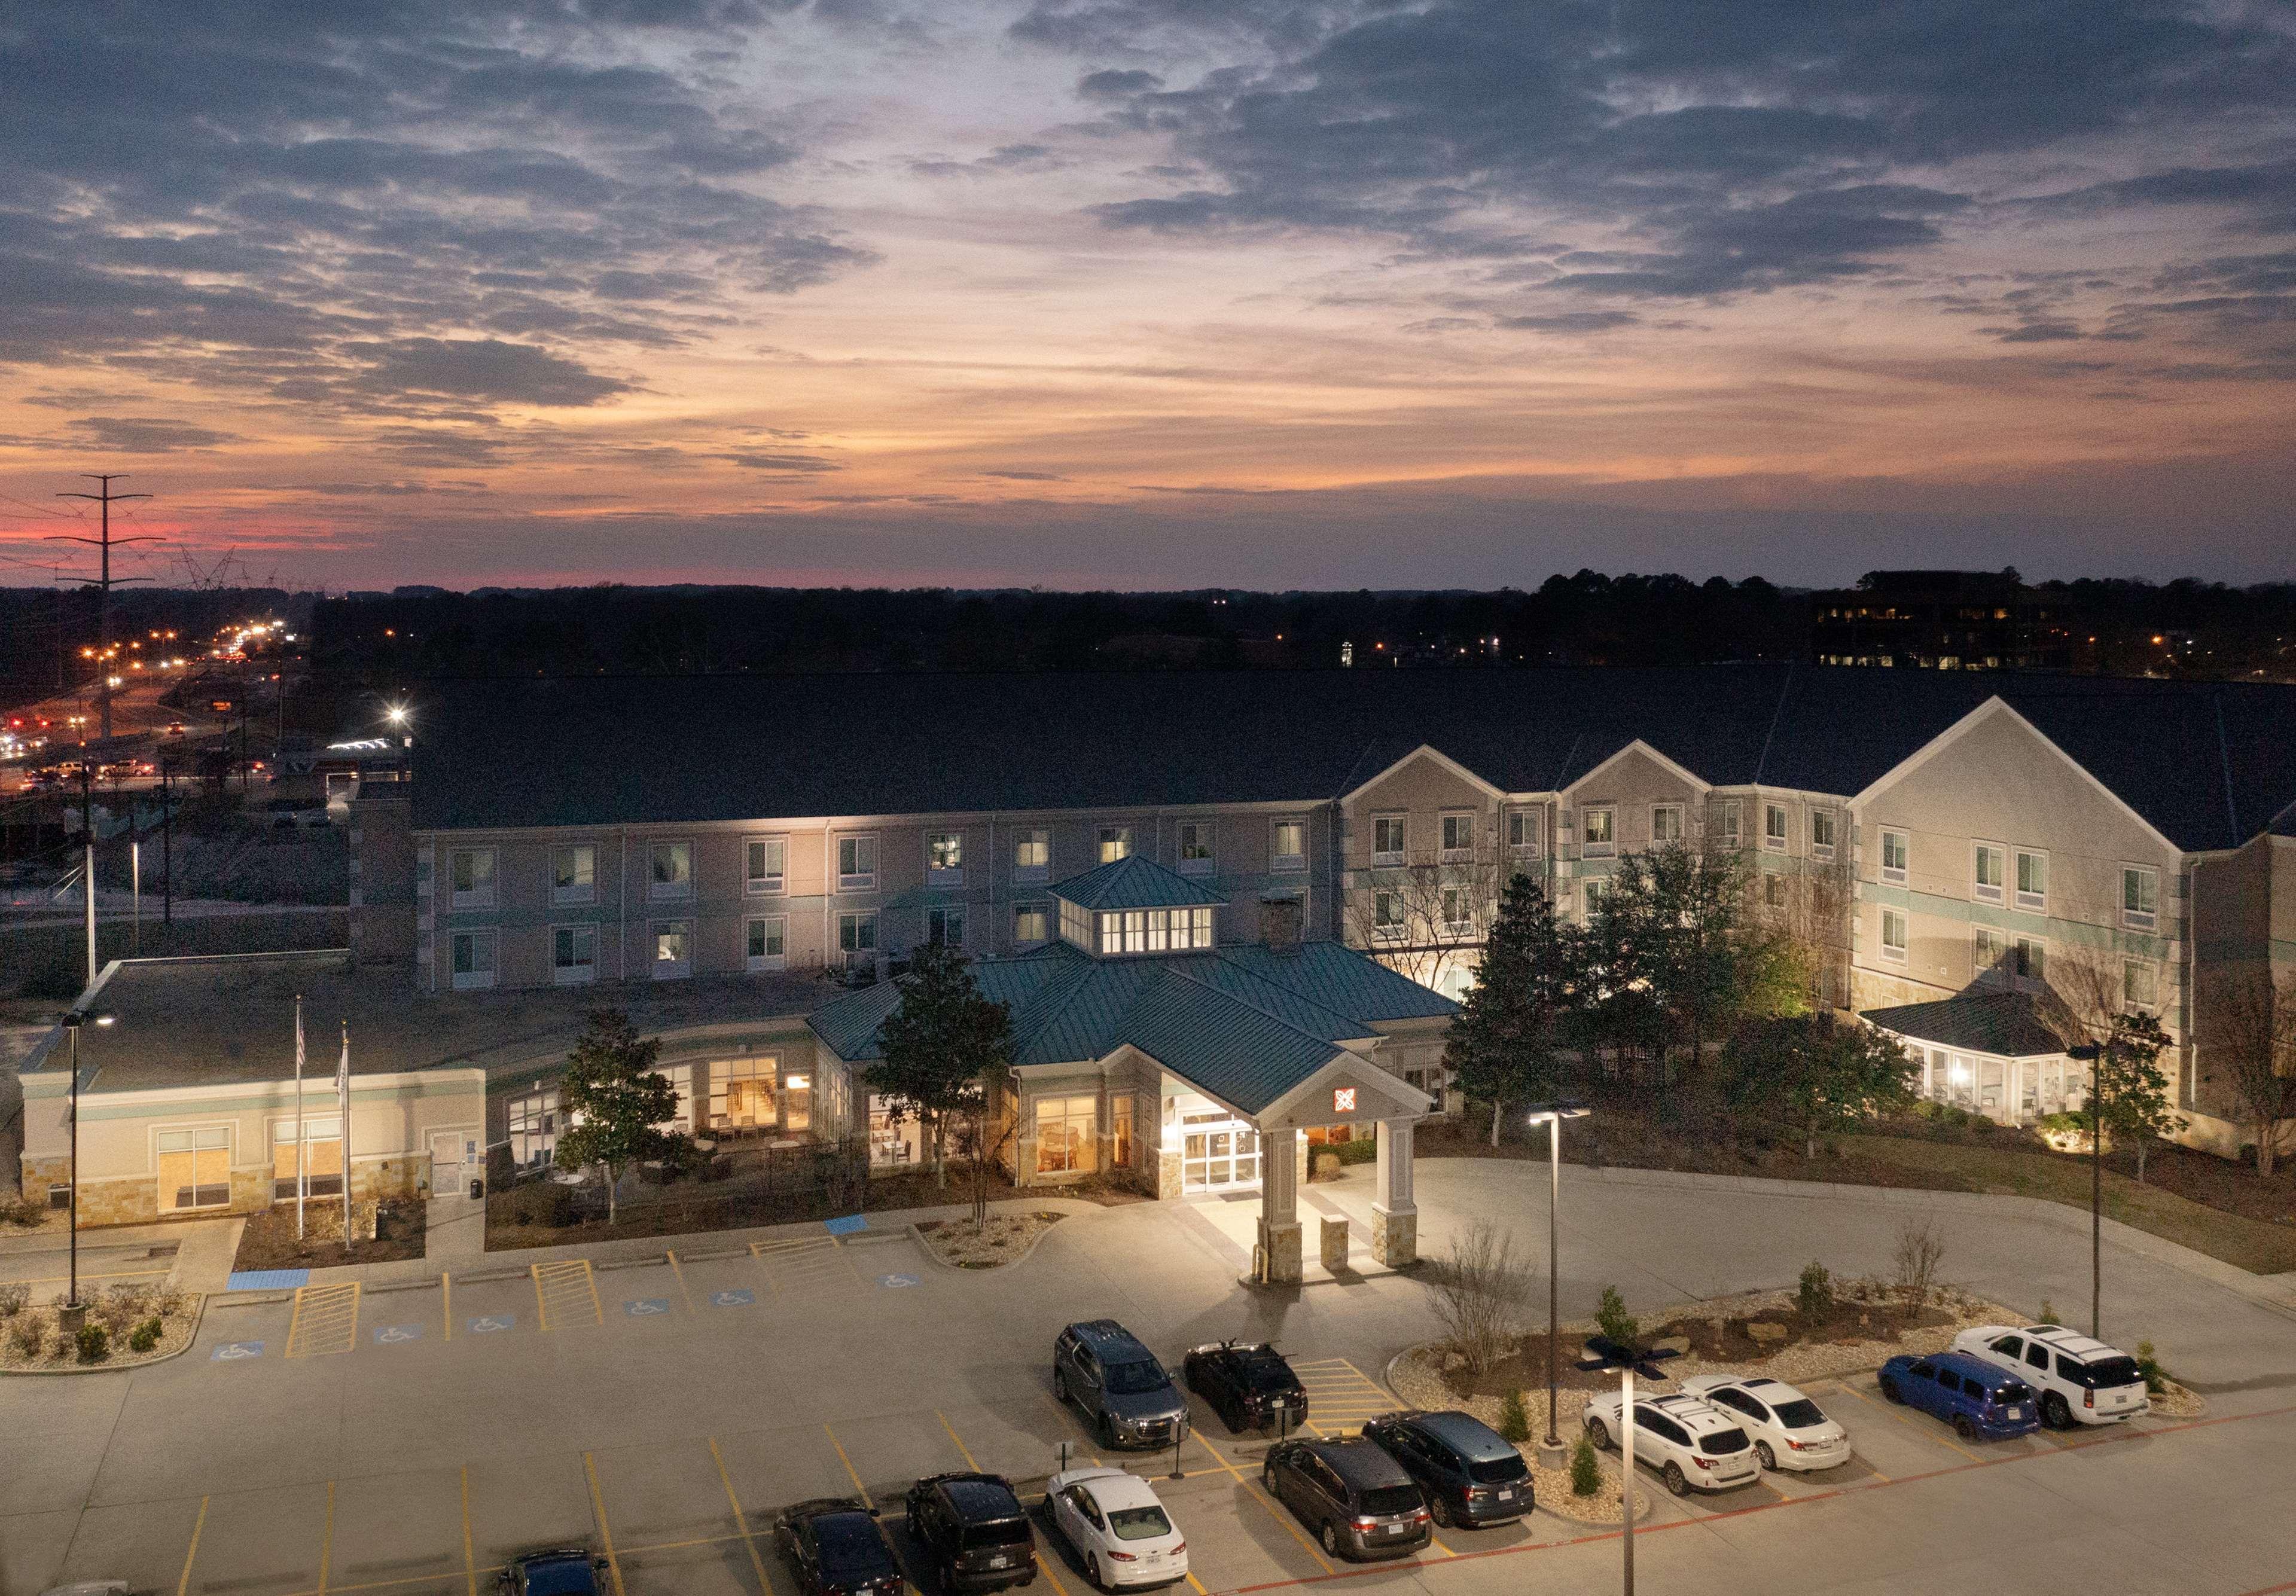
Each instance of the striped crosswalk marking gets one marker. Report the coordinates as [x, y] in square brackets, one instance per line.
[326, 1320]
[566, 1294]
[1340, 1396]
[802, 1261]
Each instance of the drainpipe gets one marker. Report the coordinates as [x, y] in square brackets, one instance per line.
[622, 908]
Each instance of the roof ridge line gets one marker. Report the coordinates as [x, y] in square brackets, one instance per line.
[1259, 1007]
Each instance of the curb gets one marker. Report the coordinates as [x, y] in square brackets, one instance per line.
[107, 1367]
[917, 1234]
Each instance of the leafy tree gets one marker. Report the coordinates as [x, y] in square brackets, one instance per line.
[2136, 1090]
[1503, 1045]
[1810, 1076]
[616, 1102]
[942, 1040]
[1669, 943]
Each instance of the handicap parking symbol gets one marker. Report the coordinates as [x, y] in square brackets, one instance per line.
[233, 1351]
[895, 1281]
[394, 1335]
[488, 1323]
[643, 1305]
[742, 1299]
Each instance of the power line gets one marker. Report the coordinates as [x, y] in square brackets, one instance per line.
[106, 581]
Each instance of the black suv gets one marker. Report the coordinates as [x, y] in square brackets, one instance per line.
[1357, 1499]
[1101, 1366]
[1249, 1388]
[1467, 1471]
[976, 1530]
[834, 1548]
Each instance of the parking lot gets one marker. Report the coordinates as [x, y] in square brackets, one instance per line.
[411, 1439]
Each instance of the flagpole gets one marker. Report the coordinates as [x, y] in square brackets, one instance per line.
[343, 1108]
[301, 1182]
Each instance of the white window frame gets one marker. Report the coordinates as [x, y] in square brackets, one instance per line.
[1526, 831]
[1680, 822]
[766, 959]
[1979, 890]
[1820, 815]
[669, 970]
[573, 975]
[1464, 899]
[660, 891]
[474, 979]
[1397, 855]
[945, 875]
[1049, 928]
[944, 911]
[1120, 838]
[1775, 837]
[2149, 882]
[1032, 839]
[865, 847]
[476, 896]
[2130, 1003]
[1608, 847]
[1455, 822]
[2021, 948]
[230, 1134]
[1896, 874]
[1728, 816]
[1383, 927]
[770, 882]
[1280, 863]
[1206, 837]
[578, 892]
[2032, 902]
[856, 934]
[1979, 964]
[1901, 951]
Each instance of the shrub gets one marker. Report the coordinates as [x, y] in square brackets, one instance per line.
[1611, 1318]
[1363, 1150]
[2148, 1364]
[2049, 1312]
[1327, 1164]
[1920, 1250]
[94, 1343]
[542, 1202]
[1479, 1292]
[1585, 1473]
[14, 1296]
[1815, 1297]
[1958, 1118]
[1514, 1418]
[145, 1336]
[30, 1335]
[21, 1212]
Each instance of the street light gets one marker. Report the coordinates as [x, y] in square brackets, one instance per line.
[1601, 1356]
[1552, 1115]
[2095, 1055]
[72, 1021]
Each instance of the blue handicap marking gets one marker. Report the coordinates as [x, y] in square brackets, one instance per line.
[393, 1335]
[845, 1225]
[488, 1323]
[643, 1305]
[742, 1298]
[231, 1351]
[895, 1281]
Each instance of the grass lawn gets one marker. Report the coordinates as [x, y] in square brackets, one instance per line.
[2255, 1245]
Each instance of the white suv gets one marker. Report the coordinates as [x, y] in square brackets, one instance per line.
[1790, 1430]
[2080, 1381]
[1693, 1445]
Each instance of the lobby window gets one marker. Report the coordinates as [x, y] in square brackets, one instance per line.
[1389, 835]
[1988, 871]
[1774, 827]
[1387, 916]
[673, 949]
[2140, 985]
[1458, 838]
[1068, 1131]
[767, 943]
[765, 866]
[1156, 930]
[856, 863]
[1196, 848]
[1287, 846]
[1895, 852]
[741, 1090]
[1666, 824]
[946, 924]
[1119, 1151]
[1032, 855]
[195, 1168]
[1526, 834]
[471, 876]
[1893, 936]
[2032, 880]
[2140, 897]
[672, 871]
[473, 956]
[1598, 830]
[1823, 827]
[1031, 923]
[533, 1121]
[323, 1158]
[573, 955]
[857, 935]
[574, 874]
[944, 858]
[1115, 843]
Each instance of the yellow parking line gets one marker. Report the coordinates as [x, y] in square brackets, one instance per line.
[605, 1531]
[1891, 1410]
[1284, 1518]
[965, 1451]
[327, 1542]
[469, 1565]
[183, 1585]
[446, 1308]
[678, 1270]
[1223, 1462]
[740, 1519]
[850, 1472]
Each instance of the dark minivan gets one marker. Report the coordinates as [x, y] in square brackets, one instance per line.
[1357, 1499]
[976, 1530]
[1470, 1474]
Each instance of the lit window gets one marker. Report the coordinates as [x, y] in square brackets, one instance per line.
[1989, 871]
[856, 863]
[767, 867]
[574, 955]
[1115, 843]
[944, 858]
[2032, 880]
[1068, 1134]
[2140, 892]
[574, 874]
[1387, 835]
[1196, 848]
[470, 875]
[1287, 845]
[768, 942]
[1031, 923]
[1032, 855]
[1666, 823]
[673, 949]
[673, 870]
[1894, 853]
[1893, 936]
[473, 953]
[1599, 832]
[946, 924]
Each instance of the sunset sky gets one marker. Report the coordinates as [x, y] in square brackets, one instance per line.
[1281, 293]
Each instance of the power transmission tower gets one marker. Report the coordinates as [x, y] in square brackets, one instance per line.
[106, 581]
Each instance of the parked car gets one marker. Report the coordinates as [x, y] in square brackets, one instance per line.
[1469, 1473]
[1693, 1445]
[1121, 1388]
[975, 1529]
[1790, 1431]
[1977, 1396]
[1356, 1500]
[1119, 1528]
[833, 1548]
[560, 1571]
[1248, 1386]
[2079, 1381]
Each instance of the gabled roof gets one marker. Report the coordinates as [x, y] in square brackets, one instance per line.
[1134, 882]
[2004, 1023]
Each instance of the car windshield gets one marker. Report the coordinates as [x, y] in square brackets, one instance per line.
[997, 1531]
[1264, 1367]
[1722, 1442]
[1800, 1414]
[2107, 1372]
[1390, 1499]
[849, 1538]
[1139, 1524]
[568, 1576]
[1496, 1471]
[1138, 1379]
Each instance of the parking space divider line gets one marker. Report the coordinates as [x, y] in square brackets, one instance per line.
[1198, 1436]
[327, 1542]
[740, 1519]
[678, 1270]
[183, 1585]
[605, 1530]
[470, 1563]
[963, 1450]
[446, 1309]
[850, 1472]
[541, 1303]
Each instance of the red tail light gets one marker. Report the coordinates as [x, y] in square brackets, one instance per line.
[1124, 1557]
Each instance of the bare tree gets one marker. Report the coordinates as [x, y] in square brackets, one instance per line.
[1914, 1261]
[2252, 1052]
[1426, 918]
[1478, 1292]
[1807, 911]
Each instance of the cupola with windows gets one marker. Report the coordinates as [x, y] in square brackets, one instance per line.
[1134, 906]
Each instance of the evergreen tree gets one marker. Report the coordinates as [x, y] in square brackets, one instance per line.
[942, 1041]
[616, 1102]
[1810, 1077]
[1503, 1045]
[2136, 1105]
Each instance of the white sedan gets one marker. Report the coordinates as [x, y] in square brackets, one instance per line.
[1119, 1529]
[1790, 1430]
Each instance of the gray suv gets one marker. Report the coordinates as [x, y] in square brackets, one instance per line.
[1123, 1390]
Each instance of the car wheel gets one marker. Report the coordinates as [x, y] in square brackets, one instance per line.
[1675, 1481]
[1439, 1511]
[1889, 1390]
[1267, 1478]
[1108, 1429]
[1060, 1383]
[1963, 1428]
[947, 1576]
[1599, 1433]
[2057, 1411]
[1092, 1571]
[1764, 1455]
[1331, 1538]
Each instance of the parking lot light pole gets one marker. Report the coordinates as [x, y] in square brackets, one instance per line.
[2095, 1055]
[1553, 1114]
[1629, 1359]
[72, 1021]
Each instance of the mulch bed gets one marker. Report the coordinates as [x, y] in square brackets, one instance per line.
[1005, 1238]
[31, 1343]
[269, 1241]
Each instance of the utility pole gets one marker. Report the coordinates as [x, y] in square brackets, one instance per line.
[106, 581]
[168, 842]
[87, 855]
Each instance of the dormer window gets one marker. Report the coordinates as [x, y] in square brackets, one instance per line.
[1154, 930]
[1134, 906]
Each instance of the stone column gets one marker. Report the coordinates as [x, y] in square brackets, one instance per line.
[1394, 1216]
[1280, 1241]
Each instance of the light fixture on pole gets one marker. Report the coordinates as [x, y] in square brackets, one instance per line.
[2095, 1054]
[1552, 1115]
[73, 1022]
[1601, 1356]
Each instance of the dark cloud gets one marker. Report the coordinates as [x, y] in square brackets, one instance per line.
[1115, 85]
[143, 435]
[1025, 476]
[481, 369]
[1573, 321]
[781, 464]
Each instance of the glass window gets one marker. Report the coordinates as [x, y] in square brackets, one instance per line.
[1032, 855]
[1525, 832]
[573, 955]
[945, 923]
[1456, 914]
[1893, 935]
[1726, 815]
[471, 873]
[857, 933]
[1115, 843]
[945, 853]
[741, 1090]
[2140, 984]
[1601, 829]
[1389, 834]
[2032, 880]
[673, 949]
[1200, 926]
[1196, 847]
[1774, 826]
[673, 870]
[767, 943]
[1774, 890]
[1458, 836]
[2140, 890]
[856, 863]
[1067, 1135]
[767, 868]
[195, 1168]
[1387, 913]
[1031, 923]
[473, 953]
[321, 1173]
[1893, 857]
[1821, 833]
[1989, 949]
[1990, 872]
[534, 1127]
[1666, 822]
[1119, 1151]
[574, 874]
[2032, 960]
[1287, 844]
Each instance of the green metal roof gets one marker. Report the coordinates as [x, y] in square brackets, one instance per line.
[1133, 882]
[1995, 1020]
